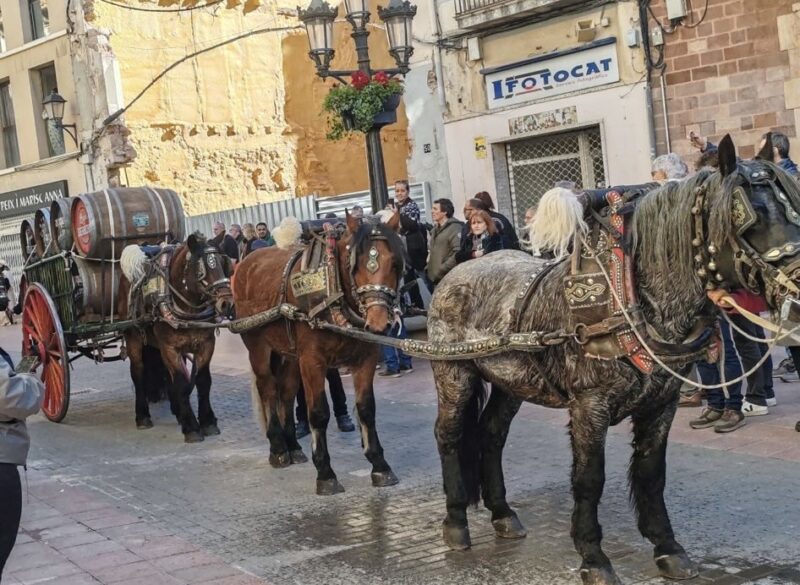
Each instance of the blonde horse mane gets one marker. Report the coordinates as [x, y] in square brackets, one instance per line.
[559, 218]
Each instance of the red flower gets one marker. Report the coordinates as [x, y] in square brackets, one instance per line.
[359, 80]
[381, 77]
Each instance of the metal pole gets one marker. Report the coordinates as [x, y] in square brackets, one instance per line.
[378, 191]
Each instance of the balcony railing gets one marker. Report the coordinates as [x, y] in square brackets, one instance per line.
[480, 13]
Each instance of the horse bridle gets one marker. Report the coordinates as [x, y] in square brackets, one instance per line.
[208, 290]
[749, 263]
[370, 295]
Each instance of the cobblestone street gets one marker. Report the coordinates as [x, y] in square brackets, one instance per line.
[109, 504]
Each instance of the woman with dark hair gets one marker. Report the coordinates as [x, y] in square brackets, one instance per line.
[482, 237]
[507, 233]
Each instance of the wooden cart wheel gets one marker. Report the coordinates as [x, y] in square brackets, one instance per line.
[41, 328]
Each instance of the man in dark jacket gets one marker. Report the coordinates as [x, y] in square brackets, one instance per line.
[224, 242]
[445, 241]
[416, 237]
[20, 397]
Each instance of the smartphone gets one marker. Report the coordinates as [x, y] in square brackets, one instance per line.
[390, 202]
[27, 364]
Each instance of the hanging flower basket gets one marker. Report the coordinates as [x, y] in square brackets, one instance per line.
[364, 104]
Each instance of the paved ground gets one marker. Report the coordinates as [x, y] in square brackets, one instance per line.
[109, 504]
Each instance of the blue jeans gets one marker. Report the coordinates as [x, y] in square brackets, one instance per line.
[394, 358]
[709, 374]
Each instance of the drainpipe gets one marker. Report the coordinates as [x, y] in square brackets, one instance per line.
[664, 110]
[651, 119]
[437, 55]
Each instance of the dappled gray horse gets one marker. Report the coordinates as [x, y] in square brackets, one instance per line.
[729, 229]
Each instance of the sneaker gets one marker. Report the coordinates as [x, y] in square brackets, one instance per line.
[790, 377]
[785, 367]
[707, 418]
[301, 429]
[797, 426]
[690, 400]
[389, 374]
[772, 402]
[345, 423]
[345, 372]
[750, 409]
[729, 421]
[406, 369]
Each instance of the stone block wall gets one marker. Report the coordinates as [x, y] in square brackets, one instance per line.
[726, 74]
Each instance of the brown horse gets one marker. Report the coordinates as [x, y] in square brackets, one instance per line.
[370, 263]
[199, 277]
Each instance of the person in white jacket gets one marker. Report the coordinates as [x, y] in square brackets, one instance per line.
[20, 397]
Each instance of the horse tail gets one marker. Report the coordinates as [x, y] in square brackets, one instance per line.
[258, 405]
[469, 452]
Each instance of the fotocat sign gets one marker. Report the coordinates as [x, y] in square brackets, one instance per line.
[551, 75]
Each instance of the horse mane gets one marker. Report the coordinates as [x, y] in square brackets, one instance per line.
[361, 242]
[559, 219]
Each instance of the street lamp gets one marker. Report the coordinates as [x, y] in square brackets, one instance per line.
[54, 110]
[318, 19]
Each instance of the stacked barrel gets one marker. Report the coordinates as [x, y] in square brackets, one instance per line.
[95, 228]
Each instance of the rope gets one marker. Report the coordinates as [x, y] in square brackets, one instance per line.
[660, 362]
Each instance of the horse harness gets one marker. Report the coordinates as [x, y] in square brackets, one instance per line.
[318, 286]
[593, 293]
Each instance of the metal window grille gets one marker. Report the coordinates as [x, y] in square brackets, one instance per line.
[537, 164]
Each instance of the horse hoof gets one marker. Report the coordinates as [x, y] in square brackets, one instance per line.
[210, 430]
[456, 537]
[384, 478]
[509, 527]
[677, 566]
[298, 456]
[280, 460]
[329, 487]
[600, 576]
[193, 437]
[145, 423]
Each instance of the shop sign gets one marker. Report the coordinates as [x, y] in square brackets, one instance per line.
[558, 75]
[557, 118]
[30, 199]
[480, 146]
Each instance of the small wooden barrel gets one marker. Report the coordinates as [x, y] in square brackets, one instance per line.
[41, 232]
[27, 239]
[99, 287]
[60, 228]
[140, 215]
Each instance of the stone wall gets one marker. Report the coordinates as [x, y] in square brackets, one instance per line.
[725, 75]
[789, 37]
[236, 125]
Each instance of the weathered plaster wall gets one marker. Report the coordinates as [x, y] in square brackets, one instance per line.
[323, 166]
[240, 124]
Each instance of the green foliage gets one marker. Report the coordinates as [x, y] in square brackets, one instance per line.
[359, 106]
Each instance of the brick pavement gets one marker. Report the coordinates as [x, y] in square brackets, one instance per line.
[219, 504]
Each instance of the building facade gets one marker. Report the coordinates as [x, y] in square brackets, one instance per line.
[726, 70]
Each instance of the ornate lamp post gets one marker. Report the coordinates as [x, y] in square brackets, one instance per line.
[318, 19]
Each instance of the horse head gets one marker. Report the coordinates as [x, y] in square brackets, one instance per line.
[208, 273]
[374, 256]
[753, 232]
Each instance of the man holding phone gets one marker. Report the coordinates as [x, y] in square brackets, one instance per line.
[20, 396]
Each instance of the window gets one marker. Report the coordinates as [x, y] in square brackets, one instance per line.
[8, 129]
[2, 35]
[53, 137]
[39, 18]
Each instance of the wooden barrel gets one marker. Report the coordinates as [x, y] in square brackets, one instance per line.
[140, 215]
[41, 232]
[60, 228]
[26, 239]
[98, 286]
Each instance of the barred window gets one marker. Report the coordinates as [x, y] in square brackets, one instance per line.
[535, 165]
